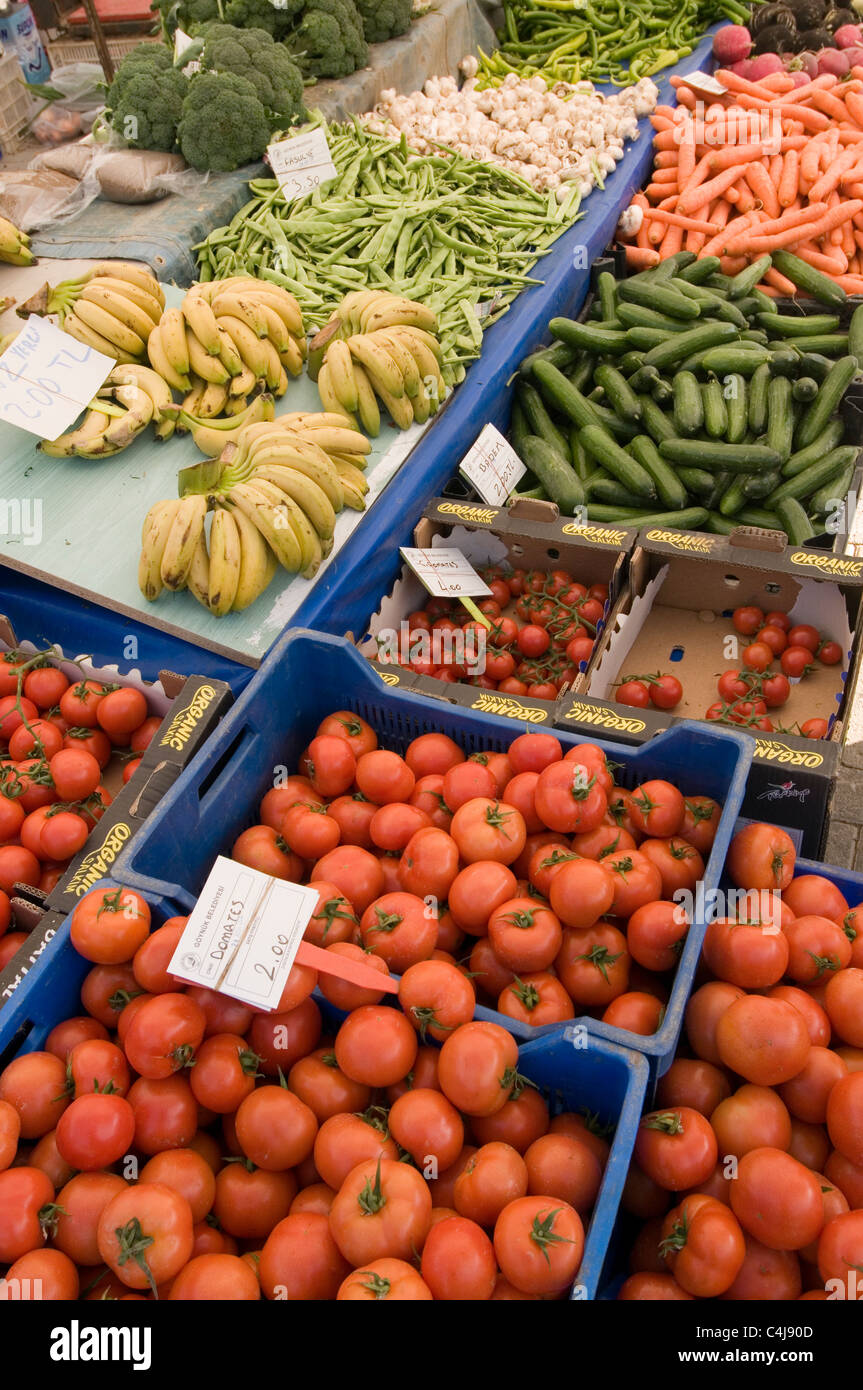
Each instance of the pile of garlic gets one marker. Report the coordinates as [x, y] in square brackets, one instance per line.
[550, 136]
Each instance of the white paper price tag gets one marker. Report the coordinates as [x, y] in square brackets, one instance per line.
[493, 466]
[445, 573]
[301, 163]
[243, 933]
[705, 82]
[47, 378]
[182, 41]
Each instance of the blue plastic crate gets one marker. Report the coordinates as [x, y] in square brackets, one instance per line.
[606, 1080]
[308, 675]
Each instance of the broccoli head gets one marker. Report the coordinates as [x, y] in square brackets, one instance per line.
[276, 16]
[146, 58]
[384, 19]
[328, 41]
[223, 124]
[252, 53]
[147, 108]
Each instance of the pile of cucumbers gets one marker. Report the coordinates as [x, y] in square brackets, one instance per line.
[687, 398]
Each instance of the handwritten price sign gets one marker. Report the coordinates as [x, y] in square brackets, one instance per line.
[47, 378]
[301, 163]
[493, 466]
[445, 572]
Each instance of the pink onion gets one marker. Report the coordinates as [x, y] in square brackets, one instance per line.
[764, 64]
[848, 36]
[731, 44]
[834, 61]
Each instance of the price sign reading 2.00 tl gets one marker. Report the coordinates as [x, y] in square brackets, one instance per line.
[47, 378]
[301, 163]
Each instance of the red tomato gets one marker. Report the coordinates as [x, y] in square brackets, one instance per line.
[633, 693]
[676, 1148]
[383, 1210]
[748, 620]
[539, 1244]
[761, 856]
[486, 829]
[796, 661]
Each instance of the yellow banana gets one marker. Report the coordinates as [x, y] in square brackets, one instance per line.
[182, 541]
[136, 319]
[378, 362]
[280, 536]
[123, 428]
[351, 477]
[198, 578]
[81, 331]
[122, 270]
[291, 358]
[427, 365]
[110, 327]
[247, 311]
[225, 562]
[421, 405]
[257, 561]
[160, 363]
[92, 427]
[367, 404]
[276, 330]
[340, 365]
[235, 405]
[342, 456]
[307, 537]
[403, 359]
[154, 537]
[274, 369]
[229, 356]
[204, 364]
[192, 401]
[398, 310]
[353, 304]
[283, 303]
[407, 331]
[172, 333]
[243, 382]
[331, 402]
[212, 401]
[399, 407]
[156, 388]
[334, 438]
[201, 320]
[144, 300]
[306, 493]
[247, 344]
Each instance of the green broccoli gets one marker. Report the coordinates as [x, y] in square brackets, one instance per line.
[384, 19]
[223, 124]
[328, 41]
[276, 16]
[149, 58]
[252, 53]
[144, 104]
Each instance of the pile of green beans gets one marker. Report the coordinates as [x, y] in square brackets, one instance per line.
[453, 233]
[618, 41]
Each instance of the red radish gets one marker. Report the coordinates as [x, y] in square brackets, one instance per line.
[854, 56]
[732, 44]
[743, 68]
[764, 64]
[832, 60]
[800, 79]
[802, 62]
[847, 36]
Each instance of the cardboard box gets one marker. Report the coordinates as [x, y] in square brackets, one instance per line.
[526, 535]
[675, 615]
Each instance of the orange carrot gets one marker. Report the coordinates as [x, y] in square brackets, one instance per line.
[665, 176]
[774, 294]
[780, 282]
[854, 107]
[738, 84]
[787, 187]
[666, 140]
[809, 119]
[712, 189]
[640, 258]
[830, 105]
[746, 201]
[778, 82]
[763, 187]
[655, 191]
[685, 162]
[734, 229]
[671, 242]
[809, 162]
[849, 246]
[774, 167]
[733, 155]
[673, 219]
[732, 264]
[831, 180]
[851, 284]
[760, 244]
[830, 265]
[666, 159]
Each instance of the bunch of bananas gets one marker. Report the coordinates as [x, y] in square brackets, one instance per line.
[280, 485]
[113, 308]
[226, 338]
[132, 397]
[14, 244]
[378, 345]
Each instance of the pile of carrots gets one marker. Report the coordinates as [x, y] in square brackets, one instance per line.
[798, 185]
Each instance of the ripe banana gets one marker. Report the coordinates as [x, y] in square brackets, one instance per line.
[206, 366]
[110, 327]
[291, 357]
[233, 305]
[261, 513]
[403, 359]
[330, 400]
[202, 321]
[340, 366]
[427, 364]
[394, 310]
[191, 402]
[333, 439]
[276, 330]
[124, 428]
[159, 362]
[229, 356]
[81, 331]
[243, 382]
[351, 477]
[154, 538]
[182, 541]
[257, 561]
[408, 331]
[14, 244]
[307, 537]
[212, 401]
[156, 388]
[274, 369]
[353, 304]
[122, 270]
[198, 578]
[225, 562]
[136, 319]
[367, 405]
[144, 300]
[301, 489]
[172, 334]
[378, 362]
[283, 303]
[92, 427]
[248, 345]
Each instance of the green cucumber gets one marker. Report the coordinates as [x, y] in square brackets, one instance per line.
[834, 491]
[560, 355]
[815, 364]
[817, 475]
[734, 498]
[669, 487]
[580, 462]
[720, 525]
[630, 362]
[606, 291]
[759, 485]
[643, 379]
[661, 298]
[806, 278]
[830, 344]
[562, 395]
[794, 521]
[752, 305]
[759, 516]
[611, 491]
[582, 374]
[519, 429]
[637, 316]
[655, 420]
[539, 420]
[645, 339]
[715, 412]
[713, 304]
[754, 335]
[712, 453]
[611, 421]
[789, 326]
[833, 388]
[780, 419]
[697, 481]
[699, 271]
[736, 407]
[730, 358]
[603, 449]
[758, 387]
[745, 281]
[662, 392]
[600, 341]
[832, 435]
[689, 520]
[855, 335]
[721, 483]
[559, 478]
[618, 392]
[805, 389]
[682, 345]
[784, 360]
[688, 410]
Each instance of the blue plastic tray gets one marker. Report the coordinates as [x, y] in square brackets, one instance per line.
[309, 675]
[609, 1081]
